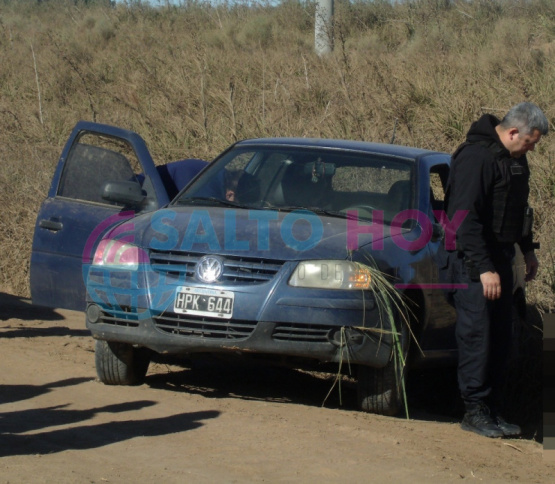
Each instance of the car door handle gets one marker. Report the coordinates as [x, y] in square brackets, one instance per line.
[51, 225]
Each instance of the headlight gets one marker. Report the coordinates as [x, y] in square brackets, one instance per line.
[331, 274]
[115, 253]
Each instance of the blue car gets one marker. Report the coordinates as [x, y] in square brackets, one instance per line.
[313, 252]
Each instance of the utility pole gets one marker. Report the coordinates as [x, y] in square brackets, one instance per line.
[323, 27]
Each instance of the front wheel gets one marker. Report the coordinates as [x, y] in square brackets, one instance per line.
[120, 363]
[382, 390]
[379, 390]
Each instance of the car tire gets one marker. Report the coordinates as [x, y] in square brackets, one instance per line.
[120, 363]
[381, 390]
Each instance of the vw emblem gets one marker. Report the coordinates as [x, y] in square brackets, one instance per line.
[209, 268]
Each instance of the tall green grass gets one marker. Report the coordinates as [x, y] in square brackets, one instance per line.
[193, 78]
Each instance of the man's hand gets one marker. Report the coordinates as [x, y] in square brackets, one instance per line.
[492, 285]
[531, 265]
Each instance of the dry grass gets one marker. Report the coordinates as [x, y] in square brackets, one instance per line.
[193, 79]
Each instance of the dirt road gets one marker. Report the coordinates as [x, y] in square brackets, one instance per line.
[214, 423]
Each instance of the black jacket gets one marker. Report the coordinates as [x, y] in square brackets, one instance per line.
[474, 173]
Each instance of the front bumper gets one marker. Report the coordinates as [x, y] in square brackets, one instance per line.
[171, 333]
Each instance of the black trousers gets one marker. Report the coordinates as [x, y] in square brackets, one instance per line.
[483, 330]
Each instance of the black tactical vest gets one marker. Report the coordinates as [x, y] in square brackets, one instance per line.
[510, 193]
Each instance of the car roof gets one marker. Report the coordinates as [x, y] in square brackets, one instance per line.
[337, 144]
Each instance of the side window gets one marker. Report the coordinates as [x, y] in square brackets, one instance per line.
[94, 160]
[371, 178]
[438, 183]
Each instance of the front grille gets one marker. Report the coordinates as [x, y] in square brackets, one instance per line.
[236, 269]
[119, 317]
[308, 333]
[204, 327]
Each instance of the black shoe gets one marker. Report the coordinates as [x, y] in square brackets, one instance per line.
[477, 419]
[509, 430]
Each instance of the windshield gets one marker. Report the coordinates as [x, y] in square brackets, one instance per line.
[321, 180]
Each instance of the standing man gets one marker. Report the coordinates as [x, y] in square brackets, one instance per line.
[489, 179]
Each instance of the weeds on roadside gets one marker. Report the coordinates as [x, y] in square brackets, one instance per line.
[193, 78]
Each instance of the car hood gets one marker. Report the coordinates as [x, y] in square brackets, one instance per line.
[253, 233]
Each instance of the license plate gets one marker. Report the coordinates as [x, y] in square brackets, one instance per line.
[200, 301]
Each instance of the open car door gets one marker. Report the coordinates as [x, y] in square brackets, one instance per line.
[79, 209]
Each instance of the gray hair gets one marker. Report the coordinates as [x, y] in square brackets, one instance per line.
[527, 117]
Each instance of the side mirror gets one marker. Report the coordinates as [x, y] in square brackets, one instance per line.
[123, 192]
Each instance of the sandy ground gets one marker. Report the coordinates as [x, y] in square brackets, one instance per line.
[218, 422]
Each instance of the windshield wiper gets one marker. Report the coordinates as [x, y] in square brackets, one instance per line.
[316, 210]
[265, 206]
[210, 200]
[323, 211]
[331, 213]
